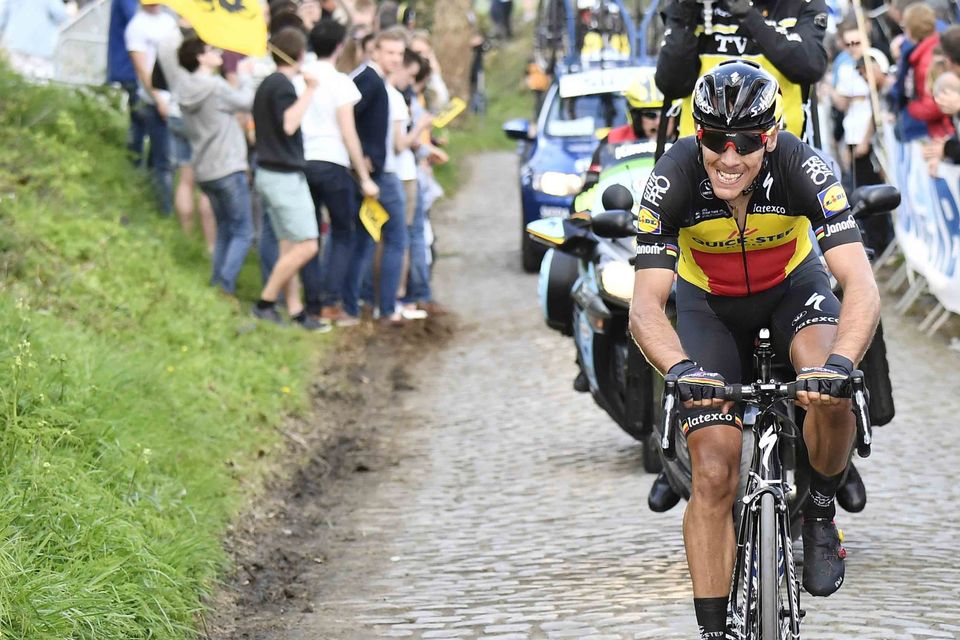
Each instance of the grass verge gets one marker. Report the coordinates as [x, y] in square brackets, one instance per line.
[136, 406]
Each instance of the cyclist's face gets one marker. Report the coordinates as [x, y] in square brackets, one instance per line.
[729, 172]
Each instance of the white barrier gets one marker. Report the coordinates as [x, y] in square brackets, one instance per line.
[927, 227]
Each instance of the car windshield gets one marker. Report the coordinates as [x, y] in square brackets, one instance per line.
[582, 115]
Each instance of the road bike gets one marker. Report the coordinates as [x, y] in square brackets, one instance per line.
[765, 589]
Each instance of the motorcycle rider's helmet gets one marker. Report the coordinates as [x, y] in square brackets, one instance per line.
[643, 99]
[737, 95]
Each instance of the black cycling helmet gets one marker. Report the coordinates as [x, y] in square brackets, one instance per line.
[737, 95]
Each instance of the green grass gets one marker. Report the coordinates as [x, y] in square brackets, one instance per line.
[507, 97]
[137, 408]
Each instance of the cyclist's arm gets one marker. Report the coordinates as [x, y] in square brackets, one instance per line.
[799, 53]
[678, 62]
[649, 325]
[860, 309]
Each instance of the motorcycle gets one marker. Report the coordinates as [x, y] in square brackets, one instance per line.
[585, 288]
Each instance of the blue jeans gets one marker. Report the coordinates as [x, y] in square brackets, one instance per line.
[332, 185]
[230, 199]
[418, 280]
[394, 239]
[158, 161]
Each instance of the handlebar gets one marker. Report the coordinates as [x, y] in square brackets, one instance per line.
[766, 392]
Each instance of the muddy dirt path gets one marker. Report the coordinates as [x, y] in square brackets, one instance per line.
[477, 496]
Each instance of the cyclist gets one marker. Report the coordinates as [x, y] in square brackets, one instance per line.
[734, 205]
[620, 144]
[784, 36]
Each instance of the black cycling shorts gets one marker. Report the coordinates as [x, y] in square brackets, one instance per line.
[718, 332]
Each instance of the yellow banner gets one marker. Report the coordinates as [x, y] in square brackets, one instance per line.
[234, 25]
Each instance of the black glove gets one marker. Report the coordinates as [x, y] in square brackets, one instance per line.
[696, 384]
[832, 379]
[737, 8]
[688, 11]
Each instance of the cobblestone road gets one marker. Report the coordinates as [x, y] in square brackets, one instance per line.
[519, 509]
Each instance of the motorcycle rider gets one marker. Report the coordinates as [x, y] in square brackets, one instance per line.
[735, 205]
[644, 101]
[785, 37]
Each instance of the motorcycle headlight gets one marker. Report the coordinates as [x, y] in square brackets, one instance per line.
[555, 183]
[616, 280]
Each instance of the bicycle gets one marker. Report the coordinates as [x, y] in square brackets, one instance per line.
[765, 589]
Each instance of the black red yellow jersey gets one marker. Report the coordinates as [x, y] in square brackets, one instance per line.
[796, 192]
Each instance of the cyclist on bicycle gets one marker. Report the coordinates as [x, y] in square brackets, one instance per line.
[734, 205]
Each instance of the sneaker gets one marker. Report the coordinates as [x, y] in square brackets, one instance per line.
[270, 314]
[411, 313]
[308, 322]
[823, 556]
[338, 317]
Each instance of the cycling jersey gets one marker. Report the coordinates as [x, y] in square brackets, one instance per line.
[679, 217]
[620, 148]
[785, 37]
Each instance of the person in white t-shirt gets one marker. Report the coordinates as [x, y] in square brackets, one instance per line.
[331, 147]
[143, 35]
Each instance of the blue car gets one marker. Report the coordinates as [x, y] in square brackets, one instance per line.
[577, 110]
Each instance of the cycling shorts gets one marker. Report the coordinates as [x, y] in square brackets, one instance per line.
[718, 332]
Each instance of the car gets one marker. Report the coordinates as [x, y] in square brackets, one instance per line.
[578, 108]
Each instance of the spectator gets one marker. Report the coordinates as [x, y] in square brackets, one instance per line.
[331, 146]
[501, 14]
[950, 44]
[120, 68]
[946, 91]
[373, 113]
[280, 181]
[210, 106]
[388, 15]
[29, 31]
[919, 23]
[407, 137]
[149, 27]
[437, 93]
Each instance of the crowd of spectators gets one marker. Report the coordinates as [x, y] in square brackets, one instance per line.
[278, 153]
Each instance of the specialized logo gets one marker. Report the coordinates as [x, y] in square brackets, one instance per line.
[656, 187]
[706, 189]
[768, 184]
[833, 200]
[817, 170]
[815, 301]
[648, 221]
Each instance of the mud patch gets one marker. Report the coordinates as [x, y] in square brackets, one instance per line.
[286, 536]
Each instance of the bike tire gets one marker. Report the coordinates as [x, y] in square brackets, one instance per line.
[769, 574]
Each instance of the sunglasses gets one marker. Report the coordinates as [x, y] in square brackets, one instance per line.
[743, 143]
[852, 43]
[649, 113]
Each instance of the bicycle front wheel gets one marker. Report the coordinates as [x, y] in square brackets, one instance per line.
[769, 569]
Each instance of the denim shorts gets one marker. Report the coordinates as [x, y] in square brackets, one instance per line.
[181, 152]
[286, 199]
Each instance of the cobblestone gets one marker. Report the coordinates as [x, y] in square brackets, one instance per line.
[519, 509]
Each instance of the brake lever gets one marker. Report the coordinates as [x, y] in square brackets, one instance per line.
[861, 412]
[670, 411]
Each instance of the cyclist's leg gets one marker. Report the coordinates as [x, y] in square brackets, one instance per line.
[714, 440]
[810, 313]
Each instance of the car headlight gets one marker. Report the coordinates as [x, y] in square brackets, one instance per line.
[616, 280]
[555, 183]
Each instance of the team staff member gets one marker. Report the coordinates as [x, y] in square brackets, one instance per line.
[784, 36]
[736, 203]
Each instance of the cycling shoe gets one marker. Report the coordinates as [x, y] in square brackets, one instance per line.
[823, 556]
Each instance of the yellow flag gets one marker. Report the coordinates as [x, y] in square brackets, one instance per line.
[373, 216]
[234, 25]
[454, 108]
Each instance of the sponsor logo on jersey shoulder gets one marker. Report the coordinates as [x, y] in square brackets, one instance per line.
[834, 228]
[817, 170]
[648, 221]
[656, 187]
[833, 200]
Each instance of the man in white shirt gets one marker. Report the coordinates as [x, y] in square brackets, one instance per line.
[331, 147]
[143, 35]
